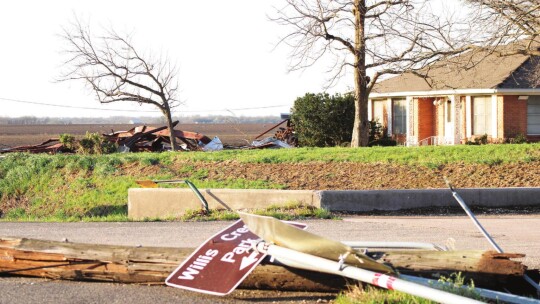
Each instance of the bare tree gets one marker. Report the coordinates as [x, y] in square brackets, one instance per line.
[506, 28]
[501, 22]
[379, 36]
[116, 72]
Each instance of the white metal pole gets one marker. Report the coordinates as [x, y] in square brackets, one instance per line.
[475, 221]
[393, 245]
[484, 232]
[310, 262]
[486, 293]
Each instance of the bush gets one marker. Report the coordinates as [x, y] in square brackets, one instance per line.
[93, 143]
[383, 142]
[68, 141]
[323, 120]
[482, 140]
[378, 135]
[519, 139]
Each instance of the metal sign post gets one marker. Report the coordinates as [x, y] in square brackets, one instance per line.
[483, 231]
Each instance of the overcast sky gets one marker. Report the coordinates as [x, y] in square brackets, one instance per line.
[224, 50]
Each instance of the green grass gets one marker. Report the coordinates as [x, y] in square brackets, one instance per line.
[92, 188]
[374, 295]
[287, 212]
[455, 284]
[428, 155]
[490, 154]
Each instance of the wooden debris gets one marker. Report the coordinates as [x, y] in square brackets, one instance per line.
[51, 146]
[485, 268]
[151, 265]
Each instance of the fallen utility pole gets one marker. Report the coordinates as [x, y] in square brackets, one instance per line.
[152, 265]
[128, 264]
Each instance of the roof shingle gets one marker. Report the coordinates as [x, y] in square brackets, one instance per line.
[468, 71]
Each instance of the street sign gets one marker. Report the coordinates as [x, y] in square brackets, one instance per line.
[220, 264]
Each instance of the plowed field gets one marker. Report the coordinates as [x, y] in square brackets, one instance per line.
[360, 176]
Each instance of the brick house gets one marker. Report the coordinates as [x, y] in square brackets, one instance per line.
[498, 96]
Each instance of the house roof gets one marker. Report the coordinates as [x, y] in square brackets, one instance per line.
[482, 71]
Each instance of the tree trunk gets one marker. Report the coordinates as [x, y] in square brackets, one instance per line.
[360, 134]
[167, 112]
[152, 265]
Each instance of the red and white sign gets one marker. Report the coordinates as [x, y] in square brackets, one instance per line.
[220, 264]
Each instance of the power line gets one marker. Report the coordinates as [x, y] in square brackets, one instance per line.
[137, 111]
[69, 107]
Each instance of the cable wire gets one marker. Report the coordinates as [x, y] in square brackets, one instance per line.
[137, 111]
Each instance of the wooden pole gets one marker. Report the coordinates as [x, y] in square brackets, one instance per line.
[151, 265]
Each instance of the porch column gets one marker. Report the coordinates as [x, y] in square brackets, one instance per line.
[494, 116]
[409, 129]
[468, 116]
[458, 121]
[452, 135]
[390, 115]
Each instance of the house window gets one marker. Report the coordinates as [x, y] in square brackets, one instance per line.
[533, 115]
[399, 121]
[378, 111]
[481, 115]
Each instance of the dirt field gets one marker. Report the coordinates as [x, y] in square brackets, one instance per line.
[358, 176]
[230, 134]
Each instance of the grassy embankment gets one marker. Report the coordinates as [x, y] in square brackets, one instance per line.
[94, 188]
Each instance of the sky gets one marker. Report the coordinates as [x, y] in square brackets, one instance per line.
[225, 51]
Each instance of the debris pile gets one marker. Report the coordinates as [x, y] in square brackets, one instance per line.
[283, 138]
[138, 139]
[51, 146]
[144, 138]
[157, 139]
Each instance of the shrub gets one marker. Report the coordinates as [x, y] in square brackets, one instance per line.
[378, 135]
[68, 141]
[519, 139]
[94, 143]
[383, 142]
[323, 120]
[482, 140]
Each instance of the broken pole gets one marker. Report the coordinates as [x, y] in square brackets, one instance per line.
[152, 265]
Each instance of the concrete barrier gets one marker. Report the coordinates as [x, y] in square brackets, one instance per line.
[168, 202]
[367, 200]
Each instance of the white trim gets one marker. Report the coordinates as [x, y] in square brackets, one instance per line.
[494, 120]
[468, 116]
[459, 92]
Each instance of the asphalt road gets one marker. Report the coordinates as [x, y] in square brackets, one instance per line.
[514, 233]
